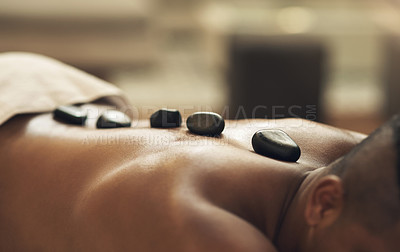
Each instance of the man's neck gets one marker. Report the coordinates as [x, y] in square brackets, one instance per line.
[293, 229]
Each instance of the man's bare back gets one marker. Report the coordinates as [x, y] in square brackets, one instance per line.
[68, 188]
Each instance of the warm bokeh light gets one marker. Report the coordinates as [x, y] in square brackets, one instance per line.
[295, 19]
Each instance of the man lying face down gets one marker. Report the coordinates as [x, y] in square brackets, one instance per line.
[354, 203]
[72, 188]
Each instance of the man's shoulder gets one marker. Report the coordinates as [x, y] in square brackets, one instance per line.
[320, 144]
[209, 228]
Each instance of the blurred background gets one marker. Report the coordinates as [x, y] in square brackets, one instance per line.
[330, 61]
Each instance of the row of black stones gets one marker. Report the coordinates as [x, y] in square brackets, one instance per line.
[200, 123]
[77, 116]
[271, 143]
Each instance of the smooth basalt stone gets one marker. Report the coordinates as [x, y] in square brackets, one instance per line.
[275, 144]
[166, 118]
[205, 123]
[113, 119]
[70, 115]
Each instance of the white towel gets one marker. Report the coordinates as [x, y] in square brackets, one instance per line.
[31, 83]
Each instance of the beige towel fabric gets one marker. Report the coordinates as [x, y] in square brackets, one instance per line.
[31, 83]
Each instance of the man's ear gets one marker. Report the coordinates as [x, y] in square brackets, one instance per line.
[325, 202]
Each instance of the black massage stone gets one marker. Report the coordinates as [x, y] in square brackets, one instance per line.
[70, 115]
[166, 118]
[275, 143]
[113, 119]
[205, 123]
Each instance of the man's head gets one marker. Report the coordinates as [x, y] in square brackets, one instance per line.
[355, 204]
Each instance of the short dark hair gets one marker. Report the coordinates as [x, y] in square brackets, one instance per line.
[371, 178]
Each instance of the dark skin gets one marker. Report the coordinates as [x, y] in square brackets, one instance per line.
[68, 188]
[328, 215]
